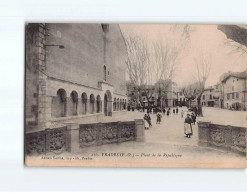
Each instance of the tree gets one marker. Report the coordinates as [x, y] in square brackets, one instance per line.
[138, 66]
[165, 59]
[195, 90]
[153, 61]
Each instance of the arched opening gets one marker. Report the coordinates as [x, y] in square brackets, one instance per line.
[73, 103]
[92, 101]
[98, 110]
[108, 103]
[58, 107]
[84, 103]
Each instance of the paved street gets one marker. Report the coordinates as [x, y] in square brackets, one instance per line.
[167, 138]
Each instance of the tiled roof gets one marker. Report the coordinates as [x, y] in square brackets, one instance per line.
[240, 75]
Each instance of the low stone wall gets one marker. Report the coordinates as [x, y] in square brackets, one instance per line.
[229, 138]
[55, 140]
[75, 136]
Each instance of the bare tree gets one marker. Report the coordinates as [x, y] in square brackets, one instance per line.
[152, 63]
[165, 60]
[138, 65]
[195, 90]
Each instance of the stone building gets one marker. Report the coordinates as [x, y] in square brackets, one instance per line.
[207, 98]
[182, 100]
[168, 91]
[73, 71]
[234, 87]
[213, 96]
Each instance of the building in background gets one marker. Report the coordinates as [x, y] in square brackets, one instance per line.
[73, 71]
[234, 87]
[182, 101]
[207, 98]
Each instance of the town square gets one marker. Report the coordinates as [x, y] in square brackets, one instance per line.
[136, 95]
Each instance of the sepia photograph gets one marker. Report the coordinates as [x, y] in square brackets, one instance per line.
[135, 95]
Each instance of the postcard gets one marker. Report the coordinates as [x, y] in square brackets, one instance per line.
[135, 95]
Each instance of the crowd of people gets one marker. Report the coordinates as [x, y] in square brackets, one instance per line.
[189, 120]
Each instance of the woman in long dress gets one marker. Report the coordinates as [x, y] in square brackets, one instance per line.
[187, 126]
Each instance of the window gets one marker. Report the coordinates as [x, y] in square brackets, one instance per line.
[232, 95]
[104, 73]
[203, 97]
[210, 97]
[237, 95]
[232, 88]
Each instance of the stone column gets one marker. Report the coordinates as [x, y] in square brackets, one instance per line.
[139, 127]
[203, 133]
[66, 106]
[74, 137]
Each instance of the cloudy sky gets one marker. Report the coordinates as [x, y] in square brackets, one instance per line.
[203, 39]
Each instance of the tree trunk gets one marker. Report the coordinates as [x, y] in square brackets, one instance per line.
[199, 106]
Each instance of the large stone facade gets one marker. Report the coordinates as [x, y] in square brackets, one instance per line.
[73, 70]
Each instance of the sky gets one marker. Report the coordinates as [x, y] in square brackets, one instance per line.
[205, 39]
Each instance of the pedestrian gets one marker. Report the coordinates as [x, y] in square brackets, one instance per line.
[177, 110]
[164, 111]
[158, 118]
[182, 114]
[173, 111]
[149, 120]
[187, 126]
[168, 112]
[196, 111]
[133, 109]
[193, 117]
[146, 126]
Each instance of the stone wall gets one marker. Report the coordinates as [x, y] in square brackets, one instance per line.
[228, 138]
[56, 140]
[73, 136]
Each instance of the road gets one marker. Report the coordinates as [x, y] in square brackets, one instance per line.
[166, 138]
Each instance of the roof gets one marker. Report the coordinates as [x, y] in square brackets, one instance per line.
[240, 75]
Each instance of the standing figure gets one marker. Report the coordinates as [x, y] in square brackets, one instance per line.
[177, 110]
[164, 111]
[149, 120]
[158, 118]
[187, 126]
[173, 110]
[168, 112]
[193, 117]
[182, 114]
[196, 111]
[146, 126]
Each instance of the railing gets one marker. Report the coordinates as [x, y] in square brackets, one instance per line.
[229, 138]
